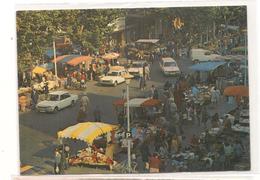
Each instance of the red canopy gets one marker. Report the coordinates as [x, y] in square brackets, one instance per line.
[151, 103]
[237, 91]
[119, 102]
[59, 58]
[80, 59]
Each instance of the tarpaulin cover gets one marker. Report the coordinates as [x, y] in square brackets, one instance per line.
[151, 103]
[68, 58]
[87, 131]
[119, 102]
[136, 102]
[50, 53]
[59, 58]
[47, 66]
[39, 70]
[80, 59]
[207, 66]
[237, 91]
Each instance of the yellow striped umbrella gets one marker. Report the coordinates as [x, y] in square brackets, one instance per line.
[87, 131]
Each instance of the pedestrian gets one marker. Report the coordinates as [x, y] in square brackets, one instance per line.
[204, 116]
[215, 121]
[124, 94]
[22, 102]
[46, 89]
[97, 114]
[67, 156]
[142, 83]
[154, 163]
[152, 91]
[228, 151]
[57, 163]
[34, 98]
[213, 96]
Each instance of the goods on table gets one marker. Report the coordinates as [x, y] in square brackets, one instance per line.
[202, 97]
[239, 128]
[89, 156]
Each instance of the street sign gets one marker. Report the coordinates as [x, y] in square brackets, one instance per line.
[128, 134]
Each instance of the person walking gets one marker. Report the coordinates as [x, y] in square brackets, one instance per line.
[204, 116]
[142, 83]
[34, 98]
[97, 114]
[57, 163]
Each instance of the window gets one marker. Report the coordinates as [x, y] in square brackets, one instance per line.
[64, 96]
[53, 97]
[169, 64]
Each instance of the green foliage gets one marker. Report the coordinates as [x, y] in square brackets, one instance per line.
[36, 30]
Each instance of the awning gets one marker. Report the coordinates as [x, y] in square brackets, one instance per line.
[68, 58]
[151, 103]
[207, 66]
[59, 58]
[237, 91]
[38, 70]
[80, 59]
[152, 41]
[50, 53]
[47, 66]
[110, 56]
[119, 102]
[136, 102]
[87, 131]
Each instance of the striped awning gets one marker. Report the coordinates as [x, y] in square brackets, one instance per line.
[87, 131]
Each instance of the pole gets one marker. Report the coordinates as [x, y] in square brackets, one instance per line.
[55, 60]
[245, 83]
[128, 130]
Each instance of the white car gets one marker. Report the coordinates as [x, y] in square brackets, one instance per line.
[169, 66]
[115, 76]
[136, 68]
[56, 101]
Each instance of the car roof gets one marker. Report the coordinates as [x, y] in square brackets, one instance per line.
[168, 59]
[58, 92]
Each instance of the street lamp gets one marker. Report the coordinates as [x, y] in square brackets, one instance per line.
[128, 125]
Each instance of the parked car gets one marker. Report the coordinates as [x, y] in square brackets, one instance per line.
[136, 68]
[115, 76]
[169, 66]
[56, 101]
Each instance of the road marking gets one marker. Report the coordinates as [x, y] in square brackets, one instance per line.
[25, 168]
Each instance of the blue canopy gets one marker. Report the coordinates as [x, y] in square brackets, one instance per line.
[48, 66]
[207, 66]
[50, 53]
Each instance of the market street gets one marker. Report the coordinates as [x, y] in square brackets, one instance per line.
[42, 128]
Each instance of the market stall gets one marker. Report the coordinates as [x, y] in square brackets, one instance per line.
[237, 92]
[88, 132]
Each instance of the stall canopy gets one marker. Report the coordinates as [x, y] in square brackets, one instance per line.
[110, 56]
[136, 102]
[59, 58]
[38, 70]
[207, 66]
[48, 66]
[76, 61]
[151, 103]
[119, 102]
[237, 91]
[152, 41]
[87, 131]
